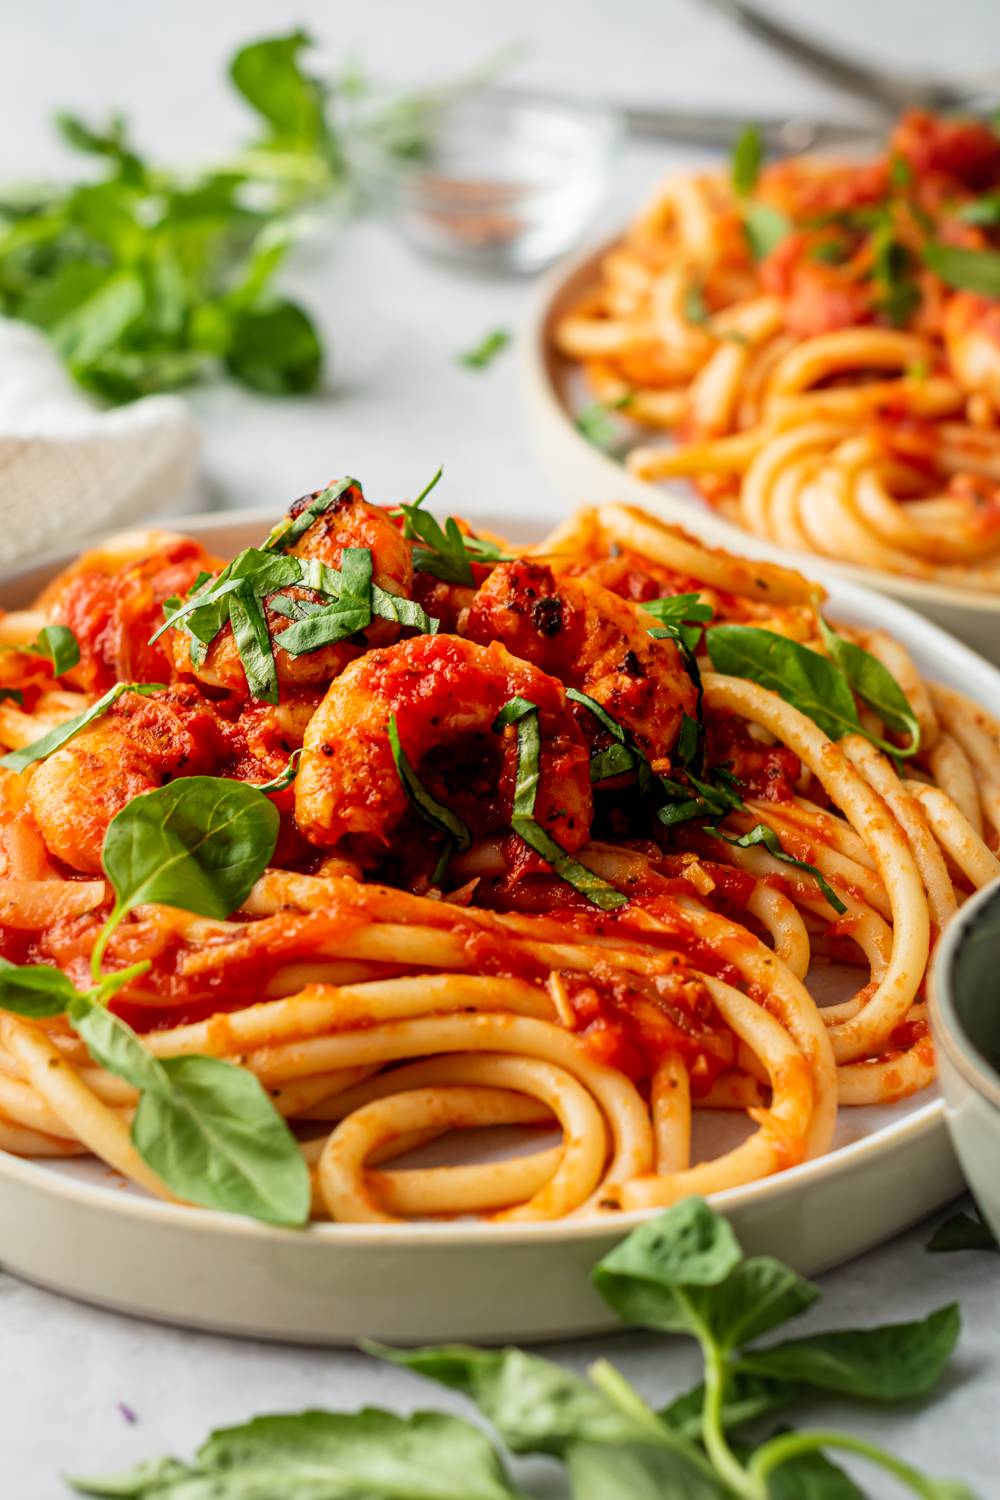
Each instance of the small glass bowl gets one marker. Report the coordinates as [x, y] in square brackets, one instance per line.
[499, 182]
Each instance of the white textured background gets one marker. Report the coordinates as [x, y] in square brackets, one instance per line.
[395, 406]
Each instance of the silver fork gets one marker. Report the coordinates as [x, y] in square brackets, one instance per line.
[890, 92]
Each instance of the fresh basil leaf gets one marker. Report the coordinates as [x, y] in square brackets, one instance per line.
[893, 1363]
[198, 843]
[446, 553]
[291, 529]
[275, 348]
[85, 309]
[486, 351]
[430, 810]
[114, 1045]
[216, 1139]
[812, 1476]
[747, 160]
[269, 75]
[593, 887]
[747, 1398]
[876, 686]
[765, 228]
[206, 1127]
[17, 760]
[285, 778]
[637, 1471]
[534, 1404]
[961, 1232]
[59, 645]
[809, 682]
[317, 1455]
[676, 609]
[253, 642]
[34, 990]
[968, 270]
[758, 1294]
[668, 1266]
[762, 834]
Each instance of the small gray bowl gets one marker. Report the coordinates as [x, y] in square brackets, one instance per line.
[965, 1020]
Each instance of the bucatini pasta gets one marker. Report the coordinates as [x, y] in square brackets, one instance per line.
[822, 340]
[546, 858]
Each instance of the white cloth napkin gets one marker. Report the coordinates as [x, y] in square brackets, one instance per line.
[68, 469]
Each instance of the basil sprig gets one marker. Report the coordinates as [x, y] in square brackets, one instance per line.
[206, 1127]
[291, 529]
[17, 760]
[683, 1273]
[446, 553]
[762, 834]
[524, 713]
[821, 687]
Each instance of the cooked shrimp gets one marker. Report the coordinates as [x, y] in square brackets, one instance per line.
[592, 640]
[140, 743]
[445, 693]
[972, 339]
[349, 522]
[112, 599]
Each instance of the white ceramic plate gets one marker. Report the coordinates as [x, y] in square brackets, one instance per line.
[77, 1229]
[583, 473]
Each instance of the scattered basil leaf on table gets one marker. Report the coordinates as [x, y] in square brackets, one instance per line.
[960, 1232]
[316, 1455]
[486, 351]
[54, 739]
[762, 834]
[684, 1272]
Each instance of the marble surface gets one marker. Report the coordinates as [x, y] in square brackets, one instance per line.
[396, 405]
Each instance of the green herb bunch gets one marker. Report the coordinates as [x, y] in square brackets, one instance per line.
[682, 1273]
[149, 278]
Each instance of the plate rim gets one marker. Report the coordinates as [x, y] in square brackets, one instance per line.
[924, 1120]
[537, 355]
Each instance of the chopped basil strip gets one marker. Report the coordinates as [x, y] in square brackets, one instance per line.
[529, 745]
[762, 834]
[285, 778]
[432, 811]
[765, 228]
[253, 641]
[619, 757]
[16, 760]
[14, 694]
[292, 528]
[597, 425]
